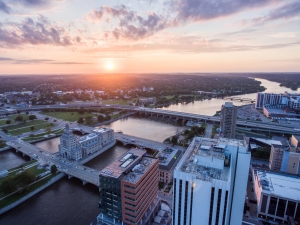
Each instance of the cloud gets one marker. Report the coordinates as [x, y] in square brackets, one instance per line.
[201, 10]
[130, 25]
[34, 33]
[38, 61]
[33, 2]
[4, 8]
[133, 26]
[5, 59]
[287, 11]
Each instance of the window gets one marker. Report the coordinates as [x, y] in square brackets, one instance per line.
[218, 205]
[272, 206]
[191, 206]
[211, 204]
[264, 203]
[179, 207]
[281, 208]
[185, 200]
[290, 211]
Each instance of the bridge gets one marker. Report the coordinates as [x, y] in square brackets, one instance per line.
[232, 98]
[143, 143]
[269, 127]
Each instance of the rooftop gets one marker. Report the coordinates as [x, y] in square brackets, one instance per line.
[102, 130]
[228, 104]
[268, 141]
[278, 184]
[139, 170]
[123, 164]
[210, 151]
[168, 157]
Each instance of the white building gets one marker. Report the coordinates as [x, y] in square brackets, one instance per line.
[73, 148]
[277, 195]
[210, 183]
[69, 147]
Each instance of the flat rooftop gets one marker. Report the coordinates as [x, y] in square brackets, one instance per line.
[278, 184]
[268, 141]
[123, 165]
[102, 130]
[168, 157]
[139, 170]
[210, 148]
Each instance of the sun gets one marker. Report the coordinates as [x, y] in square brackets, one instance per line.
[109, 66]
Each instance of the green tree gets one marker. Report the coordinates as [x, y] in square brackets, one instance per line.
[7, 185]
[89, 120]
[32, 117]
[8, 121]
[80, 120]
[108, 117]
[48, 130]
[27, 113]
[53, 169]
[18, 111]
[174, 140]
[47, 118]
[100, 118]
[32, 128]
[19, 119]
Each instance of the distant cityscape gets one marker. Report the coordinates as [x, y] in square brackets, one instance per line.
[219, 169]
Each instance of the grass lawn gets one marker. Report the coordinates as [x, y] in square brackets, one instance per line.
[169, 96]
[113, 102]
[9, 200]
[39, 124]
[25, 117]
[41, 135]
[26, 124]
[68, 115]
[23, 165]
[116, 116]
[204, 125]
[3, 122]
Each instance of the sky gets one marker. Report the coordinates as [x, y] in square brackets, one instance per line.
[149, 36]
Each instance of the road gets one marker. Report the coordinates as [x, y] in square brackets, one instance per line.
[269, 126]
[208, 130]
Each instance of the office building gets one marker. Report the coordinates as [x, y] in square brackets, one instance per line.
[228, 120]
[72, 147]
[276, 156]
[128, 189]
[277, 195]
[167, 162]
[210, 183]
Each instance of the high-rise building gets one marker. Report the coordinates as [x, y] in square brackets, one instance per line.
[210, 183]
[228, 120]
[276, 156]
[263, 99]
[128, 189]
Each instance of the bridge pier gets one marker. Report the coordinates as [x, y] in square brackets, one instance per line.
[69, 176]
[84, 182]
[24, 154]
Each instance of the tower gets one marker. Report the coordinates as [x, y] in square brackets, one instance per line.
[228, 120]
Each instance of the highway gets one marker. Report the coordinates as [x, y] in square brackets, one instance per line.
[271, 127]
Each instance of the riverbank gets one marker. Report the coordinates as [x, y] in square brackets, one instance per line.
[32, 193]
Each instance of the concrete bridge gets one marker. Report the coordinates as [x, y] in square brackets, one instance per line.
[143, 143]
[72, 169]
[240, 99]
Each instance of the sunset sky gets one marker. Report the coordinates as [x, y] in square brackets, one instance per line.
[149, 36]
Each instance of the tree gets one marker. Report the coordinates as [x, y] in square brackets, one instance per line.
[32, 128]
[19, 119]
[81, 110]
[5, 131]
[174, 140]
[88, 120]
[108, 117]
[18, 111]
[32, 117]
[100, 118]
[53, 169]
[27, 113]
[8, 121]
[47, 118]
[80, 120]
[48, 130]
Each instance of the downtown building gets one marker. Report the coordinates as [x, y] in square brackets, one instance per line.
[128, 190]
[210, 183]
[277, 195]
[73, 148]
[228, 120]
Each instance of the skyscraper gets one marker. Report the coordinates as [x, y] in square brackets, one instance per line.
[128, 189]
[228, 120]
[210, 183]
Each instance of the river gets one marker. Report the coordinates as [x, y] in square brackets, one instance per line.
[68, 201]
